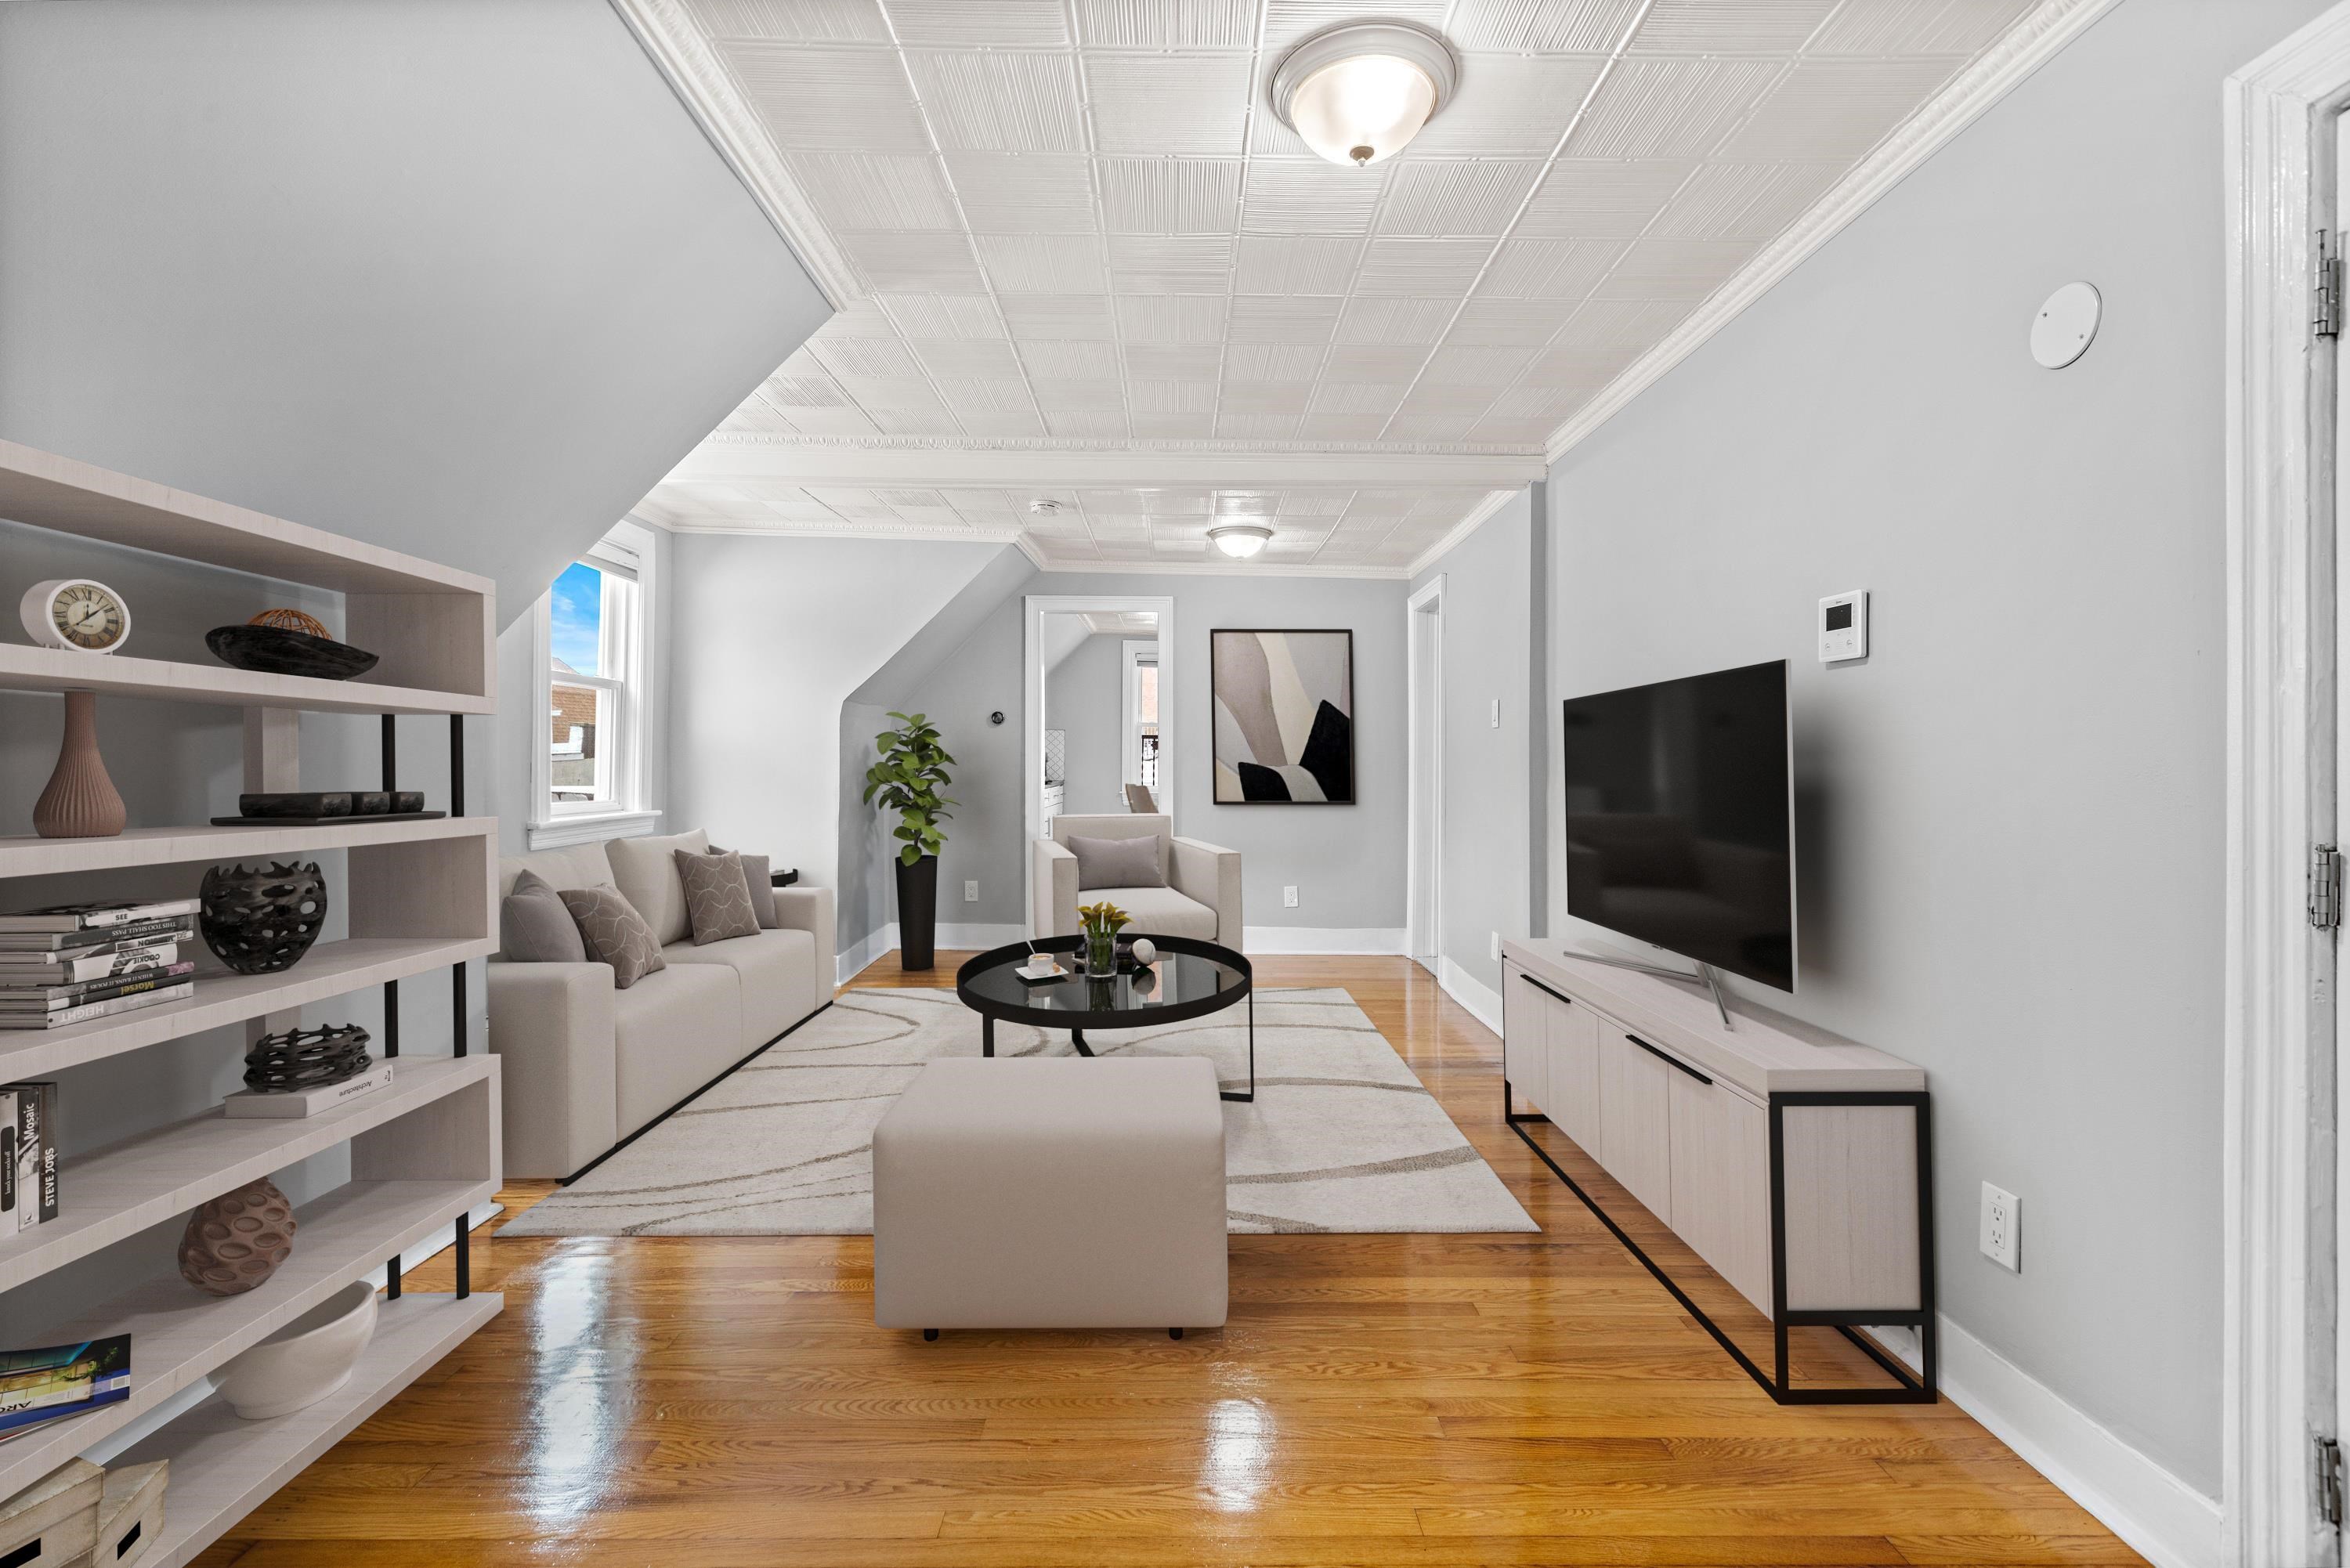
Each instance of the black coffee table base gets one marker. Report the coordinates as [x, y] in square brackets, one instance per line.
[1078, 1039]
[979, 984]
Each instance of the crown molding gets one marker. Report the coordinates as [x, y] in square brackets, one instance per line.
[916, 535]
[1258, 568]
[1460, 530]
[912, 532]
[1126, 467]
[707, 88]
[2027, 46]
[1214, 444]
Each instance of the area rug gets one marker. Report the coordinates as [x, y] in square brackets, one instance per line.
[1342, 1136]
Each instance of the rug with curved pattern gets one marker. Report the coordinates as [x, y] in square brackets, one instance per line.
[1342, 1136]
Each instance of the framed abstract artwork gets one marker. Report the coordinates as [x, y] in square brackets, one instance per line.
[1284, 713]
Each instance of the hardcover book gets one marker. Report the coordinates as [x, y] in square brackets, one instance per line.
[35, 1154]
[307, 1102]
[169, 929]
[177, 991]
[105, 962]
[37, 1387]
[55, 998]
[93, 917]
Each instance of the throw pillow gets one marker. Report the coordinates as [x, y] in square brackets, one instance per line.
[614, 933]
[647, 878]
[1116, 862]
[535, 928]
[717, 897]
[756, 872]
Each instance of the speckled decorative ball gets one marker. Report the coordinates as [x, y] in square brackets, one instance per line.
[1145, 950]
[236, 1240]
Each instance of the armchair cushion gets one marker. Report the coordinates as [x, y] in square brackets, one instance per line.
[1118, 862]
[1163, 912]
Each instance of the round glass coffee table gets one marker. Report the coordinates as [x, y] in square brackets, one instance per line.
[1190, 980]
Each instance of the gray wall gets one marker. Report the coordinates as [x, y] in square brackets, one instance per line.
[1488, 866]
[1081, 699]
[464, 280]
[2010, 816]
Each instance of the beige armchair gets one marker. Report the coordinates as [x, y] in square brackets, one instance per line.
[1201, 897]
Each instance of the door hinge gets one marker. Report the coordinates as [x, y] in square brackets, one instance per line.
[2326, 287]
[2325, 888]
[2329, 1480]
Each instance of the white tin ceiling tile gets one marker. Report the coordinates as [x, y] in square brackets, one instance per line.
[1158, 105]
[1167, 23]
[857, 505]
[1044, 264]
[1507, 321]
[755, 417]
[1593, 199]
[942, 315]
[991, 359]
[1313, 503]
[1024, 193]
[1295, 264]
[1514, 432]
[1076, 396]
[873, 392]
[1173, 427]
[1917, 26]
[832, 422]
[1395, 321]
[1288, 23]
[1553, 27]
[1058, 315]
[793, 21]
[858, 318]
[1237, 503]
[968, 395]
[1170, 317]
[979, 506]
[1745, 201]
[1549, 269]
[1729, 27]
[903, 498]
[1836, 108]
[858, 101]
[1674, 269]
[1273, 361]
[1551, 403]
[1444, 504]
[1095, 423]
[1454, 198]
[1169, 195]
[1373, 363]
[1267, 397]
[1510, 103]
[1619, 324]
[1171, 362]
[1378, 508]
[1670, 108]
[1589, 368]
[1171, 397]
[1430, 398]
[1256, 427]
[1310, 196]
[863, 356]
[804, 392]
[1433, 269]
[1001, 102]
[1018, 424]
[1488, 367]
[1355, 398]
[1069, 360]
[915, 262]
[1270, 318]
[997, 24]
[1172, 264]
[860, 191]
[1162, 532]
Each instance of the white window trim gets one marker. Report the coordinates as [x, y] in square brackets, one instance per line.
[629, 547]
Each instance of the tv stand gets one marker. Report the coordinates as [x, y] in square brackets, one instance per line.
[1704, 973]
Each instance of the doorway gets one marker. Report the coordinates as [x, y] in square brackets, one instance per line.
[1425, 644]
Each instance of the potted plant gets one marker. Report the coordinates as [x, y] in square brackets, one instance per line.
[908, 779]
[1102, 922]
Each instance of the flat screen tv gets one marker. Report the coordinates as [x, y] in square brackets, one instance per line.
[1680, 822]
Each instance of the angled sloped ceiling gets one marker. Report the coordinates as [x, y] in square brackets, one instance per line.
[464, 280]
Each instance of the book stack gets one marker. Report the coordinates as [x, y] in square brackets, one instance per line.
[80, 961]
[28, 1157]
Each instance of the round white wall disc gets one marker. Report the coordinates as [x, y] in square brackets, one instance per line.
[2066, 325]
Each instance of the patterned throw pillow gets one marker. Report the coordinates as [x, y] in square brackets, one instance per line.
[615, 933]
[717, 897]
[756, 873]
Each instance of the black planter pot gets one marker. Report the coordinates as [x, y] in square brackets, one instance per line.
[917, 912]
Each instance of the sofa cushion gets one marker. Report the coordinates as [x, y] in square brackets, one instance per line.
[1118, 862]
[614, 933]
[579, 866]
[533, 926]
[1162, 912]
[777, 971]
[670, 1035]
[643, 870]
[717, 897]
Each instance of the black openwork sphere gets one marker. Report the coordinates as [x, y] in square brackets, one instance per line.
[261, 922]
[306, 1059]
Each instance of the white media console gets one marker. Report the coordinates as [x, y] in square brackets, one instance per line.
[1798, 1165]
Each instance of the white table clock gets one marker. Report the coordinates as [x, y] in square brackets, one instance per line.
[75, 613]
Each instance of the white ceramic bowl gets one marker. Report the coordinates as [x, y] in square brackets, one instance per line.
[307, 1360]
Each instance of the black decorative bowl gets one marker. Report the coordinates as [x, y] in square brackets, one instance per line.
[263, 921]
[306, 1059]
[274, 650]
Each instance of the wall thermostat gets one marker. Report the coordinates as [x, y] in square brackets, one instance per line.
[1843, 627]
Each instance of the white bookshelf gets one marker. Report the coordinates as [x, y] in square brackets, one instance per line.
[421, 896]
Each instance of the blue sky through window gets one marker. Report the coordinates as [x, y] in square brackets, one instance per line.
[576, 613]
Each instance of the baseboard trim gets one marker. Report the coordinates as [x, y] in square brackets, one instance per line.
[978, 935]
[2158, 1515]
[1258, 940]
[1481, 1000]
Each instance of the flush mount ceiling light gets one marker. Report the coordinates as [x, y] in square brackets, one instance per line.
[1358, 92]
[1240, 540]
[1044, 506]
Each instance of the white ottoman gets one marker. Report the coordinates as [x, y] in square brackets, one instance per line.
[1055, 1193]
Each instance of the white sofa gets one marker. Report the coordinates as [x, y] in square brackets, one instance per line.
[586, 1064]
[1202, 898]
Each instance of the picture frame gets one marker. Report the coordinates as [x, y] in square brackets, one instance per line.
[1283, 703]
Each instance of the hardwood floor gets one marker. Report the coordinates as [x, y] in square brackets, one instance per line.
[1375, 1399]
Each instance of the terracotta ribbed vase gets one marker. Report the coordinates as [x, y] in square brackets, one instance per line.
[81, 801]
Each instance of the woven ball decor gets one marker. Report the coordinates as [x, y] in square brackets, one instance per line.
[261, 922]
[291, 620]
[236, 1240]
[306, 1059]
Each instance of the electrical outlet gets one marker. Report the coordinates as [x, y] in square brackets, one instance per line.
[2002, 1222]
[1289, 898]
[1497, 947]
[1497, 713]
[971, 892]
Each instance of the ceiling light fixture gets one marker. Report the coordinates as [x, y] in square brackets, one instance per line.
[1044, 506]
[1240, 540]
[1358, 92]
